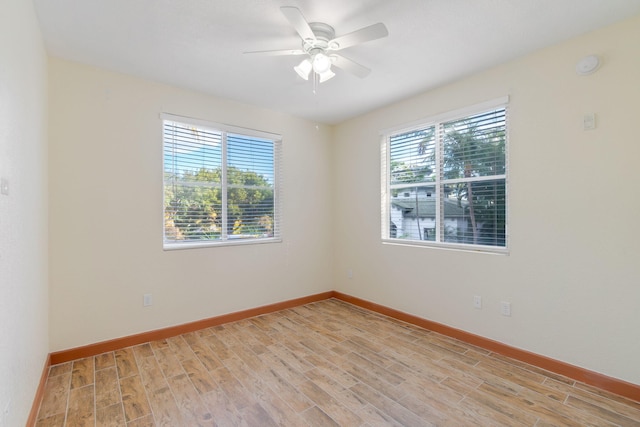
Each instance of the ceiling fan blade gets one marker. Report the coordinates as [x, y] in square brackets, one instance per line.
[280, 52]
[350, 66]
[372, 32]
[295, 18]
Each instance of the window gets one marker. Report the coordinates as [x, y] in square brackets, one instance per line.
[444, 182]
[220, 184]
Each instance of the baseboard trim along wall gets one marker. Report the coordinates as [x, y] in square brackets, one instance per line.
[160, 334]
[613, 385]
[37, 400]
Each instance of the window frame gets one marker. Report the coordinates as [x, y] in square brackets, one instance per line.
[170, 245]
[436, 121]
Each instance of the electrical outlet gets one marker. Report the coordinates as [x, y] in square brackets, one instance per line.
[350, 273]
[505, 308]
[147, 300]
[4, 186]
[477, 301]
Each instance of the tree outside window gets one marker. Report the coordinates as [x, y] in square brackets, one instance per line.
[219, 187]
[446, 182]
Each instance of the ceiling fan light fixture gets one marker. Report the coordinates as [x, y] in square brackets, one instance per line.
[321, 63]
[326, 75]
[319, 41]
[303, 69]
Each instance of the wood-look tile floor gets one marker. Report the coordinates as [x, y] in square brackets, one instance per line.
[324, 364]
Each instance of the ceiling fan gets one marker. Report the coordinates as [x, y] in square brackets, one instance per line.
[320, 44]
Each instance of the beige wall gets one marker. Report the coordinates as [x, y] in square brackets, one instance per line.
[23, 213]
[573, 273]
[106, 212]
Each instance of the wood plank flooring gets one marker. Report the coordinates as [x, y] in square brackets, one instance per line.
[323, 364]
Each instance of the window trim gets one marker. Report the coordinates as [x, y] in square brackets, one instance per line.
[277, 185]
[221, 127]
[385, 193]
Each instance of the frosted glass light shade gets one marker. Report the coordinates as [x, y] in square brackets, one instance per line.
[303, 69]
[321, 63]
[326, 75]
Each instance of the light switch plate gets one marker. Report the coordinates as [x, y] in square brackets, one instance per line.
[589, 121]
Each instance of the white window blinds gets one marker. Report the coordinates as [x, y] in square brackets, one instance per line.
[445, 183]
[220, 186]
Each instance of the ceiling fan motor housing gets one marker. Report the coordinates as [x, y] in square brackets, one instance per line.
[324, 33]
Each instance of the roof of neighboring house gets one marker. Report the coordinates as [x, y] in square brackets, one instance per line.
[427, 207]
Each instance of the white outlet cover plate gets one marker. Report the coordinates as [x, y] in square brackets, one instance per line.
[477, 301]
[4, 186]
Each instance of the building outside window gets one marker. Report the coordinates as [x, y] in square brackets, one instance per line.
[444, 181]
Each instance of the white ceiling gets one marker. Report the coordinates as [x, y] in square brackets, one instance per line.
[199, 44]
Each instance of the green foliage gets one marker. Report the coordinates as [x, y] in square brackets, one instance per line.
[472, 147]
[193, 205]
[470, 151]
[422, 166]
[474, 151]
